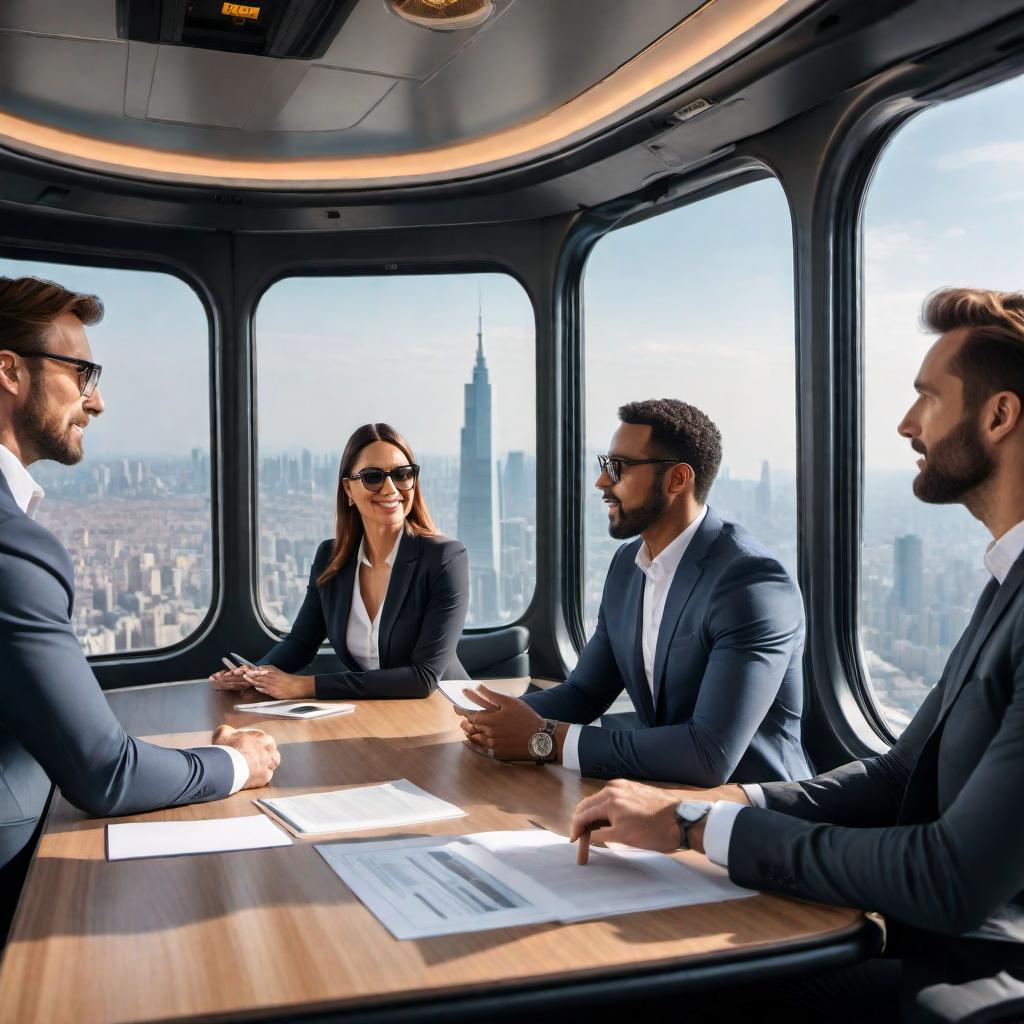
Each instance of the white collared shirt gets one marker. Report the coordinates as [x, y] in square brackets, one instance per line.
[999, 558]
[27, 493]
[362, 634]
[659, 573]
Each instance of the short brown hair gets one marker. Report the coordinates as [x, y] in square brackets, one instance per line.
[991, 358]
[682, 432]
[28, 306]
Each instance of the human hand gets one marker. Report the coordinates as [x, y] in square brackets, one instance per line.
[257, 747]
[230, 679]
[631, 813]
[277, 684]
[503, 728]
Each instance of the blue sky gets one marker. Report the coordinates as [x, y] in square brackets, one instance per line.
[695, 304]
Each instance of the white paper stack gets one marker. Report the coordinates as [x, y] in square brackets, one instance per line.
[296, 708]
[443, 885]
[351, 810]
[174, 838]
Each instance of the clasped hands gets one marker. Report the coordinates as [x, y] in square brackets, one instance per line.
[265, 679]
[502, 729]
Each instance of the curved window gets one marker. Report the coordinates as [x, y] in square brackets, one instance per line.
[944, 208]
[446, 359]
[697, 304]
[135, 513]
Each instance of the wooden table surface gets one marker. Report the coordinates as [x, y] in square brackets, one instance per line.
[256, 932]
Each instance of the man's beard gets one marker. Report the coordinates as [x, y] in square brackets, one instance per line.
[45, 437]
[636, 520]
[954, 466]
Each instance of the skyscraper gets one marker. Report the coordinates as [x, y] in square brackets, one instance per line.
[764, 491]
[908, 571]
[478, 527]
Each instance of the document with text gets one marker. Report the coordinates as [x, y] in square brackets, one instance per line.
[387, 805]
[443, 885]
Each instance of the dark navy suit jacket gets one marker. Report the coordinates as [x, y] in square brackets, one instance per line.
[930, 833]
[420, 623]
[55, 723]
[728, 686]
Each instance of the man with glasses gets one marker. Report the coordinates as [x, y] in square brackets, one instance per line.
[55, 724]
[698, 622]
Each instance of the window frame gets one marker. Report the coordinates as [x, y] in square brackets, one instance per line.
[79, 256]
[406, 268]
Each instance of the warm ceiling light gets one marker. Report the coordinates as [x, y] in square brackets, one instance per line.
[446, 15]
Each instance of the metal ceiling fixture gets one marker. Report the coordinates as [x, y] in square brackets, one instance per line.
[444, 15]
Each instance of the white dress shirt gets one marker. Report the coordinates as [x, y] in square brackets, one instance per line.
[999, 558]
[362, 634]
[659, 573]
[27, 493]
[27, 496]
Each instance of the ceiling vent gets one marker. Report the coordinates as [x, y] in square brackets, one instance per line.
[300, 29]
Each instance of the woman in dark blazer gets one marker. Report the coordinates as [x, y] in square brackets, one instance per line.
[389, 592]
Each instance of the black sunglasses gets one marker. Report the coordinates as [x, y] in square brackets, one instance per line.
[403, 477]
[88, 373]
[612, 464]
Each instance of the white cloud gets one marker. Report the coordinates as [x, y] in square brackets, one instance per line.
[1007, 154]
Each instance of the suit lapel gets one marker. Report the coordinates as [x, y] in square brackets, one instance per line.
[634, 610]
[989, 617]
[402, 573]
[679, 591]
[345, 581]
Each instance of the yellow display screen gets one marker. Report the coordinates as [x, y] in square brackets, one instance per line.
[241, 11]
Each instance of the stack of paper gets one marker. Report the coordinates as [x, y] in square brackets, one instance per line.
[442, 885]
[351, 810]
[296, 708]
[173, 838]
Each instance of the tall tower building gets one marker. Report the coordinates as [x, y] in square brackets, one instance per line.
[764, 490]
[478, 526]
[908, 572]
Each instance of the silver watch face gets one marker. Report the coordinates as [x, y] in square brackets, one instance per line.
[690, 811]
[541, 745]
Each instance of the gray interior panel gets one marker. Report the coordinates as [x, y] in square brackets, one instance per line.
[331, 98]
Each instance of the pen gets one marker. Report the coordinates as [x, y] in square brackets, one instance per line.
[228, 664]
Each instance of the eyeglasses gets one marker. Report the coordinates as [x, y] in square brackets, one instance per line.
[403, 477]
[612, 464]
[88, 373]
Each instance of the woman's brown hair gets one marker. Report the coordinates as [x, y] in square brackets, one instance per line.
[348, 529]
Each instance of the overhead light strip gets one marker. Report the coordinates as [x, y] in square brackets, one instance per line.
[716, 31]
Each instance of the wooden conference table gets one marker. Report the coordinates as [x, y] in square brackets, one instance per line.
[267, 934]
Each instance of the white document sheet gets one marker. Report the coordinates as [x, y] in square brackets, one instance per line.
[349, 810]
[419, 888]
[614, 881]
[173, 838]
[296, 708]
[452, 689]
[440, 886]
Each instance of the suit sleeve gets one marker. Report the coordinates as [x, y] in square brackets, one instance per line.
[944, 876]
[865, 793]
[593, 684]
[445, 615]
[51, 702]
[755, 624]
[308, 632]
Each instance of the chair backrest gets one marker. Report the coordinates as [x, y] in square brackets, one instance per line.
[500, 654]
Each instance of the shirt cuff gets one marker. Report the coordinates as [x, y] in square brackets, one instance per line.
[571, 748]
[718, 831]
[755, 794]
[238, 763]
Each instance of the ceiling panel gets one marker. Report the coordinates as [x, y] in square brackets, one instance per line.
[329, 99]
[94, 19]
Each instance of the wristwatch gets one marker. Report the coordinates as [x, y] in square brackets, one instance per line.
[541, 745]
[689, 812]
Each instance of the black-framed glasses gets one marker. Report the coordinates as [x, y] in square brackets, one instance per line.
[612, 464]
[372, 478]
[88, 372]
